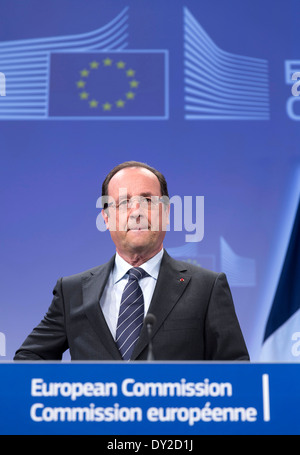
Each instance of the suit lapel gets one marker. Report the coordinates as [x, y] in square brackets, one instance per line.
[93, 284]
[171, 284]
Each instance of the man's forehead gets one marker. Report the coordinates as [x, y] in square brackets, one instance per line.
[127, 178]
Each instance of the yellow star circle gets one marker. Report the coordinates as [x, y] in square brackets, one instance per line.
[107, 106]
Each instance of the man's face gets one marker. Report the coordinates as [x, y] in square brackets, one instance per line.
[138, 229]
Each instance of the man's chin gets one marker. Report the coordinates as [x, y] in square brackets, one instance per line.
[139, 237]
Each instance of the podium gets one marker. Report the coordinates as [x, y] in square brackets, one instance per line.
[149, 398]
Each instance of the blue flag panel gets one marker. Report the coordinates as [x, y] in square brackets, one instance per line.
[128, 84]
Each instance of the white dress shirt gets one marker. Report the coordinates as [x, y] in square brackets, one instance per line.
[111, 297]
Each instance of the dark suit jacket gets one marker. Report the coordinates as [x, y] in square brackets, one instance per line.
[195, 319]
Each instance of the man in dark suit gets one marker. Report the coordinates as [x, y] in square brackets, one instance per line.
[96, 319]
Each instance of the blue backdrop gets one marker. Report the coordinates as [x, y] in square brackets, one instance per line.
[201, 90]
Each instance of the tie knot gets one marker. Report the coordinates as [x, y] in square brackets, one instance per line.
[136, 273]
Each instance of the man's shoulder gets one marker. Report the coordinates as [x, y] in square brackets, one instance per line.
[189, 267]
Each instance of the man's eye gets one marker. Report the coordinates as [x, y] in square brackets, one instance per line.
[123, 203]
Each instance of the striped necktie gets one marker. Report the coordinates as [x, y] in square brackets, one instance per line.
[131, 314]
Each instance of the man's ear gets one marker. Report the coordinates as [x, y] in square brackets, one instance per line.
[168, 207]
[109, 219]
[164, 216]
[104, 213]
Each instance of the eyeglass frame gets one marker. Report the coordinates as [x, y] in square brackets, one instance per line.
[152, 201]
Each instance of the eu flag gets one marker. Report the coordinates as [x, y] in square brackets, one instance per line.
[282, 333]
[109, 85]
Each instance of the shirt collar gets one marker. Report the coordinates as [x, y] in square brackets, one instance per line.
[152, 266]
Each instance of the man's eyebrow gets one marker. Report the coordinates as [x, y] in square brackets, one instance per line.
[144, 194]
[147, 194]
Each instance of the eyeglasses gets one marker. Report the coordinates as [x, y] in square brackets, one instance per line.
[145, 203]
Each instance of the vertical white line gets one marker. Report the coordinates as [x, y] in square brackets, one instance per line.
[2, 84]
[166, 58]
[47, 94]
[266, 397]
[2, 345]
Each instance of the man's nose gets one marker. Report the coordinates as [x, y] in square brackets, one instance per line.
[134, 206]
[135, 211]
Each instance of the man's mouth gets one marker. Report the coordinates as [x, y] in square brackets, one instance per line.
[134, 225]
[138, 229]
